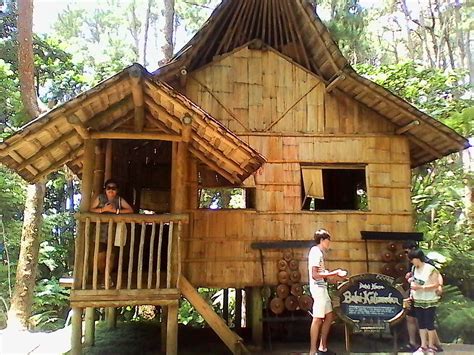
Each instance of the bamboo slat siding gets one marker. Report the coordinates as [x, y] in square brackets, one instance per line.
[293, 29]
[270, 93]
[294, 121]
[218, 249]
[219, 252]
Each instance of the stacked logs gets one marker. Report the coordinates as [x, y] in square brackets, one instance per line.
[289, 292]
[395, 262]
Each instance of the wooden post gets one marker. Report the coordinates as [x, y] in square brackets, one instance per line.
[76, 331]
[86, 195]
[179, 204]
[108, 160]
[225, 305]
[89, 335]
[256, 321]
[98, 181]
[108, 175]
[172, 329]
[238, 308]
[99, 168]
[111, 317]
[136, 78]
[164, 327]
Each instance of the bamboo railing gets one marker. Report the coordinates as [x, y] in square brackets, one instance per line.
[148, 258]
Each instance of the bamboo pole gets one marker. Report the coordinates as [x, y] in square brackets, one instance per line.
[85, 205]
[164, 327]
[151, 255]
[130, 257]
[136, 135]
[238, 308]
[140, 256]
[89, 334]
[256, 305]
[170, 262]
[136, 78]
[76, 331]
[172, 330]
[158, 262]
[99, 168]
[108, 257]
[96, 255]
[108, 160]
[111, 317]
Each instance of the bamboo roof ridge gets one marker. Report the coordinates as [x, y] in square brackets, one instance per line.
[294, 29]
[129, 105]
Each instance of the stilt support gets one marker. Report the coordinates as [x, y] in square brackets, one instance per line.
[111, 317]
[256, 305]
[164, 327]
[76, 331]
[172, 330]
[89, 336]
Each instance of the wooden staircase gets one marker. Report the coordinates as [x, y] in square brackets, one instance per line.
[231, 339]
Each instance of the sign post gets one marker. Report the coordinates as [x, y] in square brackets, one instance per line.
[369, 303]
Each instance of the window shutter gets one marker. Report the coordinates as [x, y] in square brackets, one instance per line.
[313, 182]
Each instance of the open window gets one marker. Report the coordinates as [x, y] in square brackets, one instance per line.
[335, 187]
[215, 192]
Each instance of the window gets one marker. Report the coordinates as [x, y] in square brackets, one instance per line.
[336, 187]
[215, 192]
[227, 197]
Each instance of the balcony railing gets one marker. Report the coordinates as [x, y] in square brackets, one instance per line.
[128, 252]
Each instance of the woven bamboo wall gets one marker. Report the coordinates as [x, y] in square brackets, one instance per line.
[252, 91]
[264, 91]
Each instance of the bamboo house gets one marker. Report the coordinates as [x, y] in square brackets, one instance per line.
[260, 104]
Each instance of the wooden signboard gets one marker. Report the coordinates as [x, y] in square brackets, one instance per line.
[369, 302]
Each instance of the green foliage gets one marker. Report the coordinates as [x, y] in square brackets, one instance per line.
[218, 198]
[99, 37]
[11, 108]
[50, 305]
[192, 15]
[348, 26]
[439, 93]
[189, 316]
[455, 316]
[12, 195]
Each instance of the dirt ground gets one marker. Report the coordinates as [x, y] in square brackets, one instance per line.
[143, 338]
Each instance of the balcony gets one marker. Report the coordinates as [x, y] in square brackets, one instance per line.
[127, 259]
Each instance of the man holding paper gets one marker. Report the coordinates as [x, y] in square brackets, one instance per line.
[318, 277]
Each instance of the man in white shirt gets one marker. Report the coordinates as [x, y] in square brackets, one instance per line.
[322, 307]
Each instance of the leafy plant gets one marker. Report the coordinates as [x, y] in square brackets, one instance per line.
[50, 305]
[456, 316]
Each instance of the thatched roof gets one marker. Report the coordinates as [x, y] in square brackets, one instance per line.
[129, 105]
[294, 29]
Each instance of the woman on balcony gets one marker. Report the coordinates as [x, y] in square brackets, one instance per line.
[108, 202]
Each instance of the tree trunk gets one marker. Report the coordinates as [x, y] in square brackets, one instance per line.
[168, 30]
[22, 299]
[26, 69]
[427, 57]
[458, 25]
[146, 29]
[470, 59]
[410, 46]
[135, 30]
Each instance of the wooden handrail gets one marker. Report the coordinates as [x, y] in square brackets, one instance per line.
[133, 217]
[90, 234]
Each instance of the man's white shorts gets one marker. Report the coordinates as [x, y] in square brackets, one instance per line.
[322, 303]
